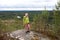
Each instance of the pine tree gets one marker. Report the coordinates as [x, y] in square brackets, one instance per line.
[57, 19]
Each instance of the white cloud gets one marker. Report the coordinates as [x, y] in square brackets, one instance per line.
[23, 9]
[27, 3]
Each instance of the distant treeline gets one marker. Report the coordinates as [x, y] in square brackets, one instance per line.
[13, 14]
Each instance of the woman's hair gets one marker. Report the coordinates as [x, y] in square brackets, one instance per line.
[26, 14]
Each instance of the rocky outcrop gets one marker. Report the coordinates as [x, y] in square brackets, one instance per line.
[22, 35]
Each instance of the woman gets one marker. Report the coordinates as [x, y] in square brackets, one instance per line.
[26, 22]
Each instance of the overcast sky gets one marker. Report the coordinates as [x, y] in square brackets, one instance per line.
[27, 4]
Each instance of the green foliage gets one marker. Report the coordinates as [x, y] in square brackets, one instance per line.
[10, 25]
[40, 20]
[56, 18]
[57, 22]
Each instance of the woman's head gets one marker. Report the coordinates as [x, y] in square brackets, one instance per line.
[26, 14]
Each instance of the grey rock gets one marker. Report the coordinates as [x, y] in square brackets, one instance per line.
[22, 35]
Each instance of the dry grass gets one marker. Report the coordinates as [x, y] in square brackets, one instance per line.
[10, 25]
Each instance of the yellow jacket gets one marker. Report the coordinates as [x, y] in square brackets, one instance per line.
[25, 20]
